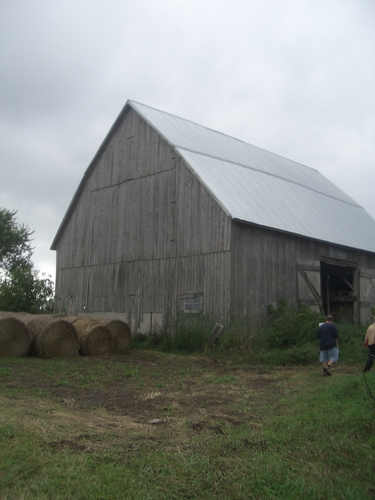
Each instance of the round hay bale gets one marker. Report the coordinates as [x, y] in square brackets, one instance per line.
[120, 333]
[15, 338]
[52, 337]
[94, 339]
[19, 315]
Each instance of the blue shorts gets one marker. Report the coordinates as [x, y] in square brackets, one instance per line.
[329, 355]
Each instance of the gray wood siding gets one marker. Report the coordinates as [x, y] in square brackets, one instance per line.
[143, 231]
[263, 270]
[265, 267]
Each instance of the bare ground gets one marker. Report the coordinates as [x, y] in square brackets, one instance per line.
[147, 393]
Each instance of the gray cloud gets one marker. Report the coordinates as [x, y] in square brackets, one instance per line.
[294, 77]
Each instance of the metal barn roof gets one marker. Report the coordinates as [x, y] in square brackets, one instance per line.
[256, 186]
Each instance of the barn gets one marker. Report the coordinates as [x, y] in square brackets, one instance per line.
[172, 216]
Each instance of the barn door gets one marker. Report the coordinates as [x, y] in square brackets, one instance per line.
[309, 285]
[366, 295]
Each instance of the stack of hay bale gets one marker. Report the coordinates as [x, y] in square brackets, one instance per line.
[56, 336]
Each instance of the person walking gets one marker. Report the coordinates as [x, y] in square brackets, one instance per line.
[370, 344]
[328, 345]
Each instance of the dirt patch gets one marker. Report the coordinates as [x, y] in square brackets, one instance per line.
[154, 388]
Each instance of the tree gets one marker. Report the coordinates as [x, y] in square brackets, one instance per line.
[15, 243]
[21, 287]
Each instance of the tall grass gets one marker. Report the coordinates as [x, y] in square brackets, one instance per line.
[289, 337]
[188, 333]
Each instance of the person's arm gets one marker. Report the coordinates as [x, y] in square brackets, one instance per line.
[365, 343]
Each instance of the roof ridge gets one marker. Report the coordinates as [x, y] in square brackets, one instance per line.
[216, 132]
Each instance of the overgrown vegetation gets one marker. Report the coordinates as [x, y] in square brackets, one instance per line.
[288, 338]
[188, 333]
[22, 288]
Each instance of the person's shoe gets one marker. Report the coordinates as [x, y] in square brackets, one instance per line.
[368, 365]
[327, 370]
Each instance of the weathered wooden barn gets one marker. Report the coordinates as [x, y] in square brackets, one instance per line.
[171, 215]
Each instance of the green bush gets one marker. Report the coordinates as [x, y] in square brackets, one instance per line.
[291, 328]
[288, 338]
[299, 355]
[351, 337]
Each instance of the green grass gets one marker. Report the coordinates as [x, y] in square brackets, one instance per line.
[300, 435]
[63, 372]
[288, 338]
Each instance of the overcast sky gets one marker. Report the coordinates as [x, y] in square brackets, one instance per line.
[295, 77]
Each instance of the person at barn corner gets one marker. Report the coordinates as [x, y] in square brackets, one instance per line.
[370, 344]
[328, 345]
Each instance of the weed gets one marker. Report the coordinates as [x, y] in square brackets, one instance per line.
[289, 337]
[131, 372]
[188, 333]
[5, 371]
[62, 383]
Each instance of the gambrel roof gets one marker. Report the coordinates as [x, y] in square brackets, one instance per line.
[259, 187]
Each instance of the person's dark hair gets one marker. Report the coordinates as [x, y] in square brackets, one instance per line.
[329, 318]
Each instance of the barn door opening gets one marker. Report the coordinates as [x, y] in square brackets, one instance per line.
[339, 284]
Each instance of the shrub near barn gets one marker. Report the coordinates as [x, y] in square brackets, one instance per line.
[289, 337]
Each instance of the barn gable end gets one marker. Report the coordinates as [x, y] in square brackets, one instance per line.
[144, 234]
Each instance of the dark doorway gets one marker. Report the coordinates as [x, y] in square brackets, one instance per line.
[338, 290]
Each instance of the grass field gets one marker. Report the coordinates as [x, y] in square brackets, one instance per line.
[154, 425]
